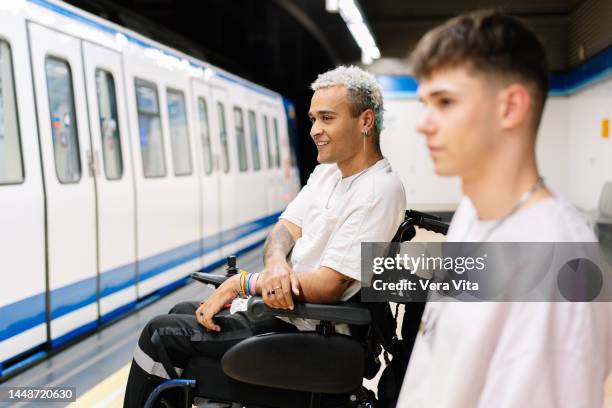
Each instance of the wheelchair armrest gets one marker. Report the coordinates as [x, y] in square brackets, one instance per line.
[215, 280]
[434, 226]
[342, 312]
[406, 230]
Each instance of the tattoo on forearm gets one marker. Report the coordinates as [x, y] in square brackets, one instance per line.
[279, 242]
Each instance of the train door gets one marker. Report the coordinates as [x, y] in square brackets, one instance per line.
[247, 179]
[69, 185]
[167, 210]
[255, 180]
[271, 190]
[274, 173]
[280, 176]
[227, 167]
[210, 189]
[285, 160]
[242, 179]
[114, 179]
[22, 225]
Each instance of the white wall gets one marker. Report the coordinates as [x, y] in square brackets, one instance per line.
[407, 151]
[573, 157]
[589, 154]
[551, 145]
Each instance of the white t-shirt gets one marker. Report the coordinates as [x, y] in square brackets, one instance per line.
[336, 214]
[512, 354]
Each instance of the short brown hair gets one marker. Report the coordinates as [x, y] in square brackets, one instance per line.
[489, 42]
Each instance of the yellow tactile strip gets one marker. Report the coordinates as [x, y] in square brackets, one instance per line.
[107, 394]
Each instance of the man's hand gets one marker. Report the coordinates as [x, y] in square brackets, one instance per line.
[223, 295]
[278, 284]
[278, 280]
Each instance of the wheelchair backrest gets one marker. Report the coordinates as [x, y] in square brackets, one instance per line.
[383, 334]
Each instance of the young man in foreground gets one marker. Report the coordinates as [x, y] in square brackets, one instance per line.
[483, 79]
[353, 196]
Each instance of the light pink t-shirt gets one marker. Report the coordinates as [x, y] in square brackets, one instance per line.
[512, 354]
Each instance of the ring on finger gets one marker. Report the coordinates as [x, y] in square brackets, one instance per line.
[273, 290]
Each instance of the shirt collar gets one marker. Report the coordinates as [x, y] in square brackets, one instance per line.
[379, 164]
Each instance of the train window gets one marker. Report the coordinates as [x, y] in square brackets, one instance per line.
[223, 137]
[179, 134]
[292, 158]
[150, 132]
[109, 125]
[63, 120]
[205, 135]
[254, 140]
[268, 147]
[276, 142]
[11, 164]
[240, 140]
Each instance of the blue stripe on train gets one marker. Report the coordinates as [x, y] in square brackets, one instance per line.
[129, 306]
[162, 291]
[30, 312]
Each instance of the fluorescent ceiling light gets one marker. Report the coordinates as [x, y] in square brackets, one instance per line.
[362, 35]
[351, 14]
[366, 59]
[374, 52]
[331, 6]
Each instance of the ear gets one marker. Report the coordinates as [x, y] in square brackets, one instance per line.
[366, 120]
[514, 105]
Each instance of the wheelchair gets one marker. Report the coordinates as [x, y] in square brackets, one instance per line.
[315, 369]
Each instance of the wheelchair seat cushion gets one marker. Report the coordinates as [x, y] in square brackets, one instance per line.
[304, 361]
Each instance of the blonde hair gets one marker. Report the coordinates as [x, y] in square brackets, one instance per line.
[363, 91]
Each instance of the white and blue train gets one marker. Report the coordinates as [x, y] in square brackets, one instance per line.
[124, 166]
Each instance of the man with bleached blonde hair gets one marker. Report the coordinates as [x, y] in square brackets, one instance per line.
[352, 196]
